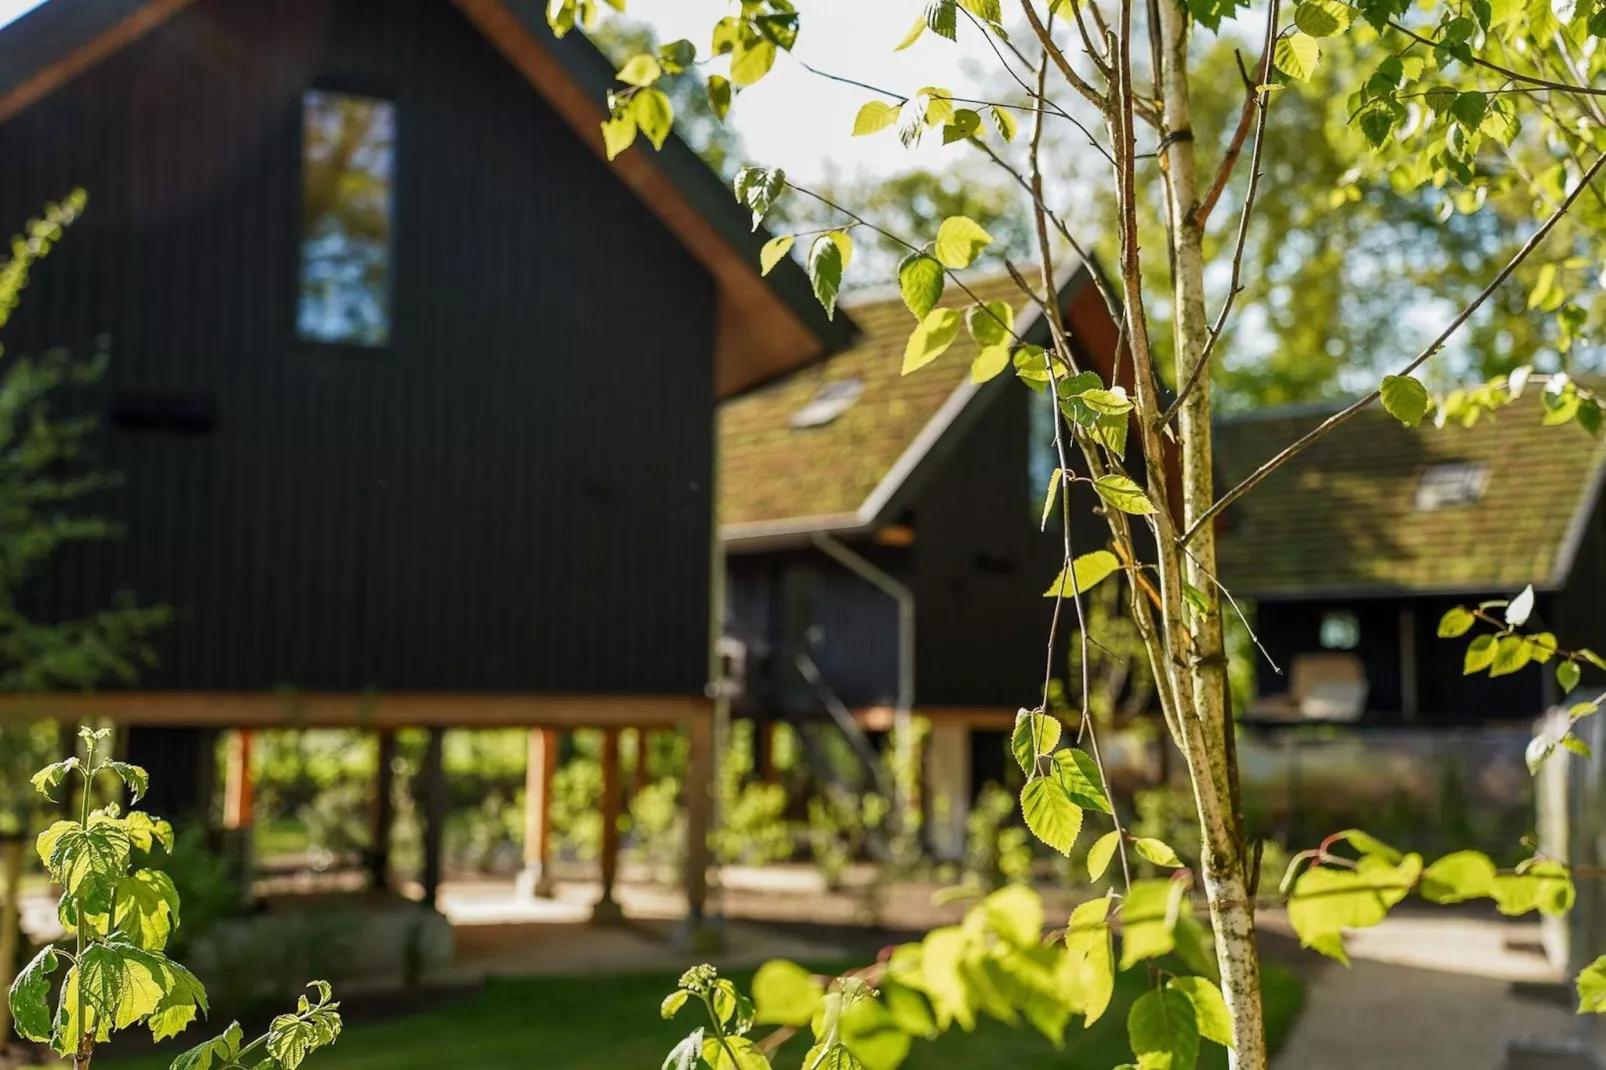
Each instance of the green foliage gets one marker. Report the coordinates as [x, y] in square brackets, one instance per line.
[121, 917]
[1085, 573]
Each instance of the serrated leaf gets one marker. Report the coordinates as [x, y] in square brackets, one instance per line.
[1326, 901]
[134, 777]
[1209, 1008]
[1123, 494]
[1458, 877]
[30, 994]
[1405, 398]
[1512, 654]
[874, 117]
[1050, 813]
[733, 1053]
[773, 252]
[1322, 18]
[751, 60]
[784, 993]
[76, 852]
[654, 115]
[1100, 854]
[1521, 607]
[220, 1051]
[50, 777]
[1004, 121]
[991, 324]
[1163, 1031]
[1149, 918]
[1592, 987]
[1085, 573]
[1157, 852]
[686, 1055]
[920, 282]
[960, 240]
[1544, 886]
[931, 338]
[825, 272]
[964, 126]
[1480, 655]
[1297, 56]
[1080, 777]
[942, 18]
[1456, 623]
[1090, 957]
[640, 70]
[872, 1036]
[1567, 676]
[990, 363]
[1035, 733]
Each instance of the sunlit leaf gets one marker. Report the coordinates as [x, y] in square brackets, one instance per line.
[960, 240]
[1405, 398]
[1050, 813]
[1209, 1008]
[1035, 733]
[774, 252]
[785, 994]
[1100, 854]
[1086, 572]
[931, 338]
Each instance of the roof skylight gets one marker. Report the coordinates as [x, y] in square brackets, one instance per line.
[829, 402]
[1445, 486]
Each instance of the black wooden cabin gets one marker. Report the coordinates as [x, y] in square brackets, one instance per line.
[884, 529]
[412, 394]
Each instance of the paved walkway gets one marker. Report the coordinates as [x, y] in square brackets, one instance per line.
[1431, 994]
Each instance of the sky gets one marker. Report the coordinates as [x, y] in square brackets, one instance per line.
[797, 120]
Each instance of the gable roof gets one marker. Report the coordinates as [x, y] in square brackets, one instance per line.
[767, 326]
[1341, 517]
[777, 481]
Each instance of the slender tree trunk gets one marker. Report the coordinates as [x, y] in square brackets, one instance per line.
[11, 852]
[1226, 886]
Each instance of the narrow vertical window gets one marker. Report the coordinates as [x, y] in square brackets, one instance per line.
[348, 161]
[1041, 458]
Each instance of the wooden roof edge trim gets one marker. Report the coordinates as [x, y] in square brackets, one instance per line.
[1366, 592]
[355, 709]
[754, 535]
[136, 24]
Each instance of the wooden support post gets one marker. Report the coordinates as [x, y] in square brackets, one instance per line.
[699, 801]
[11, 852]
[607, 907]
[639, 771]
[384, 810]
[239, 786]
[433, 776]
[765, 742]
[535, 881]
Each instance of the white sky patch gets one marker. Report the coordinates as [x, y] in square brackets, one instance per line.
[11, 10]
[801, 122]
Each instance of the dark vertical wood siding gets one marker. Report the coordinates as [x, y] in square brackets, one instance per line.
[513, 496]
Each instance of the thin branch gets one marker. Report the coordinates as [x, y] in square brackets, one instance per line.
[1252, 106]
[1202, 367]
[1563, 87]
[1421, 358]
[1077, 82]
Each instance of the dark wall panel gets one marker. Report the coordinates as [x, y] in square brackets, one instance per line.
[513, 496]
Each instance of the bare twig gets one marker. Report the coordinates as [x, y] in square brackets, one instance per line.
[1421, 358]
[1253, 105]
[1077, 82]
[1563, 87]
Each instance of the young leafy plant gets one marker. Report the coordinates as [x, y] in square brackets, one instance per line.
[119, 918]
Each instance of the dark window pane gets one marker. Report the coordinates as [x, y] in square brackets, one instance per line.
[349, 146]
[1041, 456]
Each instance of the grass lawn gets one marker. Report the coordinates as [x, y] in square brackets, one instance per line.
[612, 1023]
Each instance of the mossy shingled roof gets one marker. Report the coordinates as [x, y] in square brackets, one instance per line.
[1342, 515]
[771, 471]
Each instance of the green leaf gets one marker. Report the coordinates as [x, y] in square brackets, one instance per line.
[784, 993]
[1050, 813]
[920, 282]
[50, 777]
[145, 831]
[185, 996]
[871, 1034]
[1080, 777]
[991, 324]
[1544, 886]
[291, 1040]
[913, 35]
[672, 1003]
[1015, 912]
[1326, 901]
[220, 1051]
[677, 56]
[1125, 495]
[1085, 573]
[1157, 852]
[76, 852]
[751, 60]
[1004, 121]
[1567, 676]
[1521, 607]
[618, 134]
[1090, 959]
[964, 126]
[1469, 108]
[1035, 733]
[654, 115]
[134, 777]
[1456, 623]
[1100, 854]
[1405, 399]
[640, 70]
[1367, 844]
[686, 1055]
[825, 271]
[1163, 1030]
[1480, 655]
[1592, 988]
[1322, 18]
[1149, 918]
[1297, 56]
[874, 117]
[733, 1053]
[1209, 1008]
[942, 18]
[1107, 402]
[30, 995]
[960, 240]
[1512, 654]
[774, 252]
[989, 364]
[1458, 877]
[931, 339]
[719, 95]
